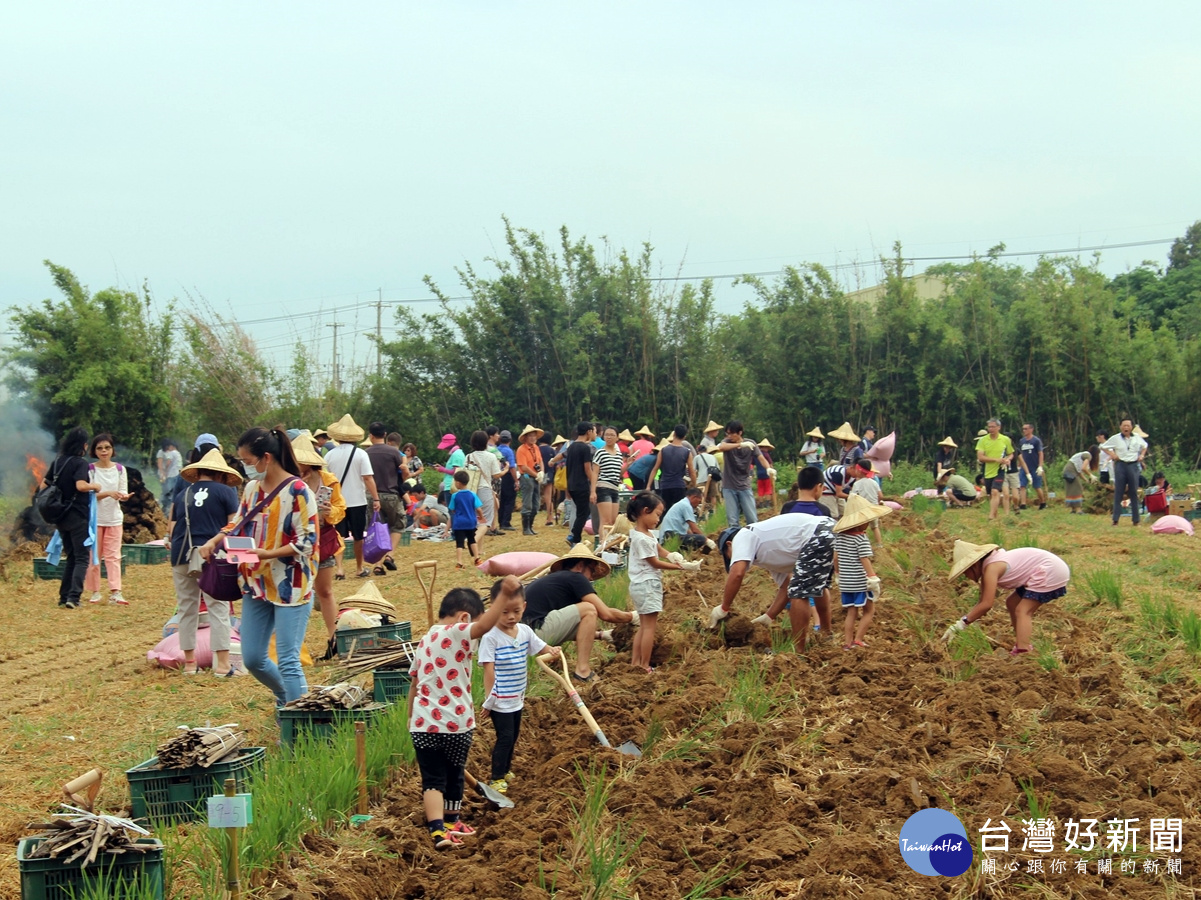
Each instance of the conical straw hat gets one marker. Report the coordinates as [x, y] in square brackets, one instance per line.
[712, 426]
[859, 512]
[368, 597]
[626, 436]
[345, 430]
[816, 434]
[948, 442]
[663, 443]
[302, 449]
[844, 433]
[213, 463]
[966, 554]
[581, 551]
[530, 429]
[983, 432]
[1138, 431]
[767, 445]
[559, 439]
[645, 431]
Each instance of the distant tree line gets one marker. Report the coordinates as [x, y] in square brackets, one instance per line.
[555, 333]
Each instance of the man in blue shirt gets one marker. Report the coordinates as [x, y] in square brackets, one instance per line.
[681, 520]
[508, 482]
[1031, 449]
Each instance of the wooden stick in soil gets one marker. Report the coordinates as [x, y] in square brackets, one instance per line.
[360, 758]
[233, 875]
[419, 569]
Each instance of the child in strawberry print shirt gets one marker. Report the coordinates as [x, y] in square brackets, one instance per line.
[441, 714]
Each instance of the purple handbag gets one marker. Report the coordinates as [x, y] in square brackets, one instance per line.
[377, 542]
[218, 577]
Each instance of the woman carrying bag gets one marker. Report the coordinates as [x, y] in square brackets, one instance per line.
[331, 509]
[208, 504]
[280, 513]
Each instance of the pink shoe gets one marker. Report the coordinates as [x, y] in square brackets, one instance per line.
[460, 827]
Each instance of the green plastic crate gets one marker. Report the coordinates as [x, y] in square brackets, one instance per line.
[128, 873]
[42, 568]
[144, 554]
[390, 685]
[369, 638]
[320, 723]
[180, 795]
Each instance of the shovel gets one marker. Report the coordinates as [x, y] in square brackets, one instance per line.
[629, 748]
[487, 791]
[419, 569]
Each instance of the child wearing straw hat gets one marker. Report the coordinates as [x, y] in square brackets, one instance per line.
[1035, 577]
[441, 714]
[857, 580]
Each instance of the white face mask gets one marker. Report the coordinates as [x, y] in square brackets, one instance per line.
[252, 473]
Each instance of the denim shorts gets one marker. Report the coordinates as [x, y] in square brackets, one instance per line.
[606, 495]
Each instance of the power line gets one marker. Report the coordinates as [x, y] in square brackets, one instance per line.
[917, 259]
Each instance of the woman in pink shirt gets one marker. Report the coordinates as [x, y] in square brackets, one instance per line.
[1034, 576]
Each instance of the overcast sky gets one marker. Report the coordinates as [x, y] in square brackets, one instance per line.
[287, 159]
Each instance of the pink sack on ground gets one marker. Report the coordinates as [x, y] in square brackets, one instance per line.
[1172, 525]
[909, 495]
[167, 655]
[929, 492]
[892, 504]
[516, 562]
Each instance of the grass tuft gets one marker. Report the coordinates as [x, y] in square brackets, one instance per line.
[1105, 586]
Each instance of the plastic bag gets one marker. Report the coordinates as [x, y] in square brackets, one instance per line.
[377, 542]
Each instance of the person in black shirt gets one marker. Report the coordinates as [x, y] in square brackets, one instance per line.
[70, 472]
[581, 477]
[563, 606]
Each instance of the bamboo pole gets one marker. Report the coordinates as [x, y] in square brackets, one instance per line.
[360, 758]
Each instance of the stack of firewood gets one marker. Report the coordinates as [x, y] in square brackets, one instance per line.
[82, 836]
[144, 520]
[200, 747]
[338, 696]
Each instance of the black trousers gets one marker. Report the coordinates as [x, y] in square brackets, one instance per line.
[508, 499]
[1125, 481]
[583, 509]
[508, 728]
[672, 496]
[74, 531]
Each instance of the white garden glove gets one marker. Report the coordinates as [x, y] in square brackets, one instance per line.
[716, 615]
[765, 620]
[750, 444]
[873, 586]
[710, 544]
[634, 621]
[771, 473]
[693, 566]
[675, 556]
[953, 629]
[1039, 472]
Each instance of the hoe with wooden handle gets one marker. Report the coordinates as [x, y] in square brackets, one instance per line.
[629, 748]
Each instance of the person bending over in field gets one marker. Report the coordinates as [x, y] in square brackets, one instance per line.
[1034, 576]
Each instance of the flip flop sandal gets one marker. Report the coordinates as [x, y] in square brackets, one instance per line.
[340, 577]
[366, 573]
[390, 564]
[379, 571]
[582, 679]
[185, 671]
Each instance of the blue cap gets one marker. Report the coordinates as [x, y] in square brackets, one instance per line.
[207, 438]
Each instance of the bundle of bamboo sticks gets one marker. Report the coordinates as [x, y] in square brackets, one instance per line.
[200, 746]
[82, 836]
[339, 696]
[388, 655]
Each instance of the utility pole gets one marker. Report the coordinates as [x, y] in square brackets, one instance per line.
[379, 334]
[337, 370]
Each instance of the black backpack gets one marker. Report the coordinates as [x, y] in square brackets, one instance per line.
[49, 501]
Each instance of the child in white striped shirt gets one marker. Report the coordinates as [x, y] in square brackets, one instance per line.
[502, 653]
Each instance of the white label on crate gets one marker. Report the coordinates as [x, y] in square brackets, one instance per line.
[231, 812]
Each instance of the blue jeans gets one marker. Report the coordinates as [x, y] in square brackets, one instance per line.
[259, 620]
[739, 502]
